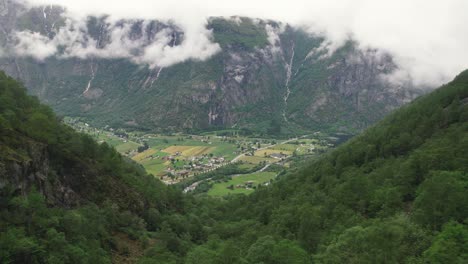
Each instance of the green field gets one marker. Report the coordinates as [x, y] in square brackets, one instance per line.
[155, 166]
[267, 152]
[286, 147]
[160, 146]
[220, 189]
[256, 159]
[126, 147]
[195, 154]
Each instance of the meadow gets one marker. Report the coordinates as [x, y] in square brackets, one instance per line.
[221, 188]
[175, 157]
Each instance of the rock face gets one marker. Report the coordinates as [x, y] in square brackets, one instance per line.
[32, 169]
[265, 71]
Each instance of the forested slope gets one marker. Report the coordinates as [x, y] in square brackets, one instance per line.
[398, 193]
[395, 194]
[63, 197]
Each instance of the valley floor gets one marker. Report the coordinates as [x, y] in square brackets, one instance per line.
[178, 157]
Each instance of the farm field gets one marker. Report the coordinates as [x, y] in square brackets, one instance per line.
[221, 189]
[267, 152]
[285, 147]
[126, 146]
[189, 151]
[175, 157]
[256, 159]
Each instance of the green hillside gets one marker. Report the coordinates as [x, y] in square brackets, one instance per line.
[66, 199]
[397, 193]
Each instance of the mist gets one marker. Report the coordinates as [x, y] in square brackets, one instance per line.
[427, 39]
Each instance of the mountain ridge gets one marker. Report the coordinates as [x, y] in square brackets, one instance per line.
[266, 72]
[396, 193]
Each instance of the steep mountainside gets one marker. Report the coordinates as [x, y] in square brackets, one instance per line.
[266, 73]
[397, 193]
[63, 197]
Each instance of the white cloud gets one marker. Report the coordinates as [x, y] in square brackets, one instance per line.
[196, 45]
[35, 45]
[273, 36]
[428, 38]
[73, 40]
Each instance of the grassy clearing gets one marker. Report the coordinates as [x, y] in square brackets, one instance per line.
[261, 153]
[198, 151]
[190, 151]
[174, 149]
[225, 149]
[220, 189]
[109, 139]
[125, 147]
[256, 159]
[285, 147]
[155, 166]
[143, 155]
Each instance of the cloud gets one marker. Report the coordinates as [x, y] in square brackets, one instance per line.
[73, 40]
[34, 44]
[273, 36]
[197, 45]
[427, 38]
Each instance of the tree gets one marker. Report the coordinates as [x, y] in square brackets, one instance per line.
[274, 128]
[450, 245]
[442, 197]
[389, 241]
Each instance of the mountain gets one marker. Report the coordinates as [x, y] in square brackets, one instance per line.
[64, 198]
[267, 76]
[393, 194]
[396, 193]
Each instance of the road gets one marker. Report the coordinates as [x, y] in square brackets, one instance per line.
[267, 147]
[194, 185]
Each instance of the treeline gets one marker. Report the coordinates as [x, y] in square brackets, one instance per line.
[64, 198]
[395, 194]
[398, 193]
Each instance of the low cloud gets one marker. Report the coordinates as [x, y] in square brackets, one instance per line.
[34, 44]
[73, 40]
[273, 36]
[427, 38]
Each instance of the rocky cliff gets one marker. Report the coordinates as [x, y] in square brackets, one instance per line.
[69, 169]
[265, 71]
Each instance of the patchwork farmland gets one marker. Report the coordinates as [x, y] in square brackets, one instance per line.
[176, 157]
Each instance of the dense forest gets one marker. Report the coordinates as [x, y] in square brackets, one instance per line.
[66, 199]
[397, 193]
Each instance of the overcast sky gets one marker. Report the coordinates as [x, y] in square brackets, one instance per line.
[428, 38]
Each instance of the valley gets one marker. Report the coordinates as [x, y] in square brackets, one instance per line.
[70, 197]
[175, 132]
[180, 158]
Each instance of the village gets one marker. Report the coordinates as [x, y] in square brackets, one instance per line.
[176, 157]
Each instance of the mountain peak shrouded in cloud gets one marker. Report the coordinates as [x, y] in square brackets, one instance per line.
[427, 39]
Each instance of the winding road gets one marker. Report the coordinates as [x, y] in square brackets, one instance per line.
[194, 185]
